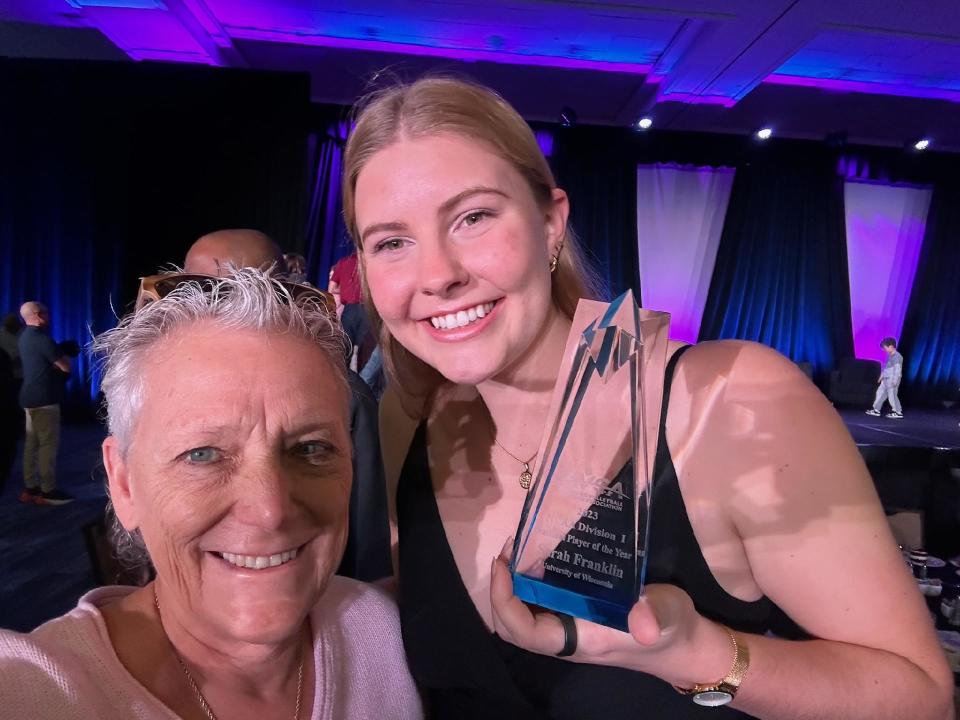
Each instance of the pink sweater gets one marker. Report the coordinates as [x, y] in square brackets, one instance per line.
[67, 668]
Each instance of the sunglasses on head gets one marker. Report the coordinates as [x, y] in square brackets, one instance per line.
[157, 287]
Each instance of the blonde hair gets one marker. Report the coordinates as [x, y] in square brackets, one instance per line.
[431, 106]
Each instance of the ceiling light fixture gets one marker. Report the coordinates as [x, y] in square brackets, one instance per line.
[921, 144]
[644, 123]
[764, 133]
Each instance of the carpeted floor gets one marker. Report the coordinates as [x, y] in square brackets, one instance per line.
[44, 567]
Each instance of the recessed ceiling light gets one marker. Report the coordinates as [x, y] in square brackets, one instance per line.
[644, 123]
[764, 133]
[922, 144]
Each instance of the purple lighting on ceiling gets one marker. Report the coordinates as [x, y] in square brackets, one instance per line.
[694, 99]
[199, 11]
[162, 38]
[466, 55]
[859, 86]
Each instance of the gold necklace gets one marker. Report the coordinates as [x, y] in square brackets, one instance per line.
[204, 705]
[525, 476]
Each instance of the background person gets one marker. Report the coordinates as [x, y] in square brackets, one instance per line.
[243, 247]
[296, 266]
[346, 287]
[45, 372]
[888, 387]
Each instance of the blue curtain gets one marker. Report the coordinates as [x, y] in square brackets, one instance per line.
[931, 328]
[327, 237]
[109, 171]
[56, 245]
[781, 272]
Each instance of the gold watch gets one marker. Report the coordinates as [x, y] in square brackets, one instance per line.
[722, 692]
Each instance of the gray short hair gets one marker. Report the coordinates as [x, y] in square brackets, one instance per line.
[244, 299]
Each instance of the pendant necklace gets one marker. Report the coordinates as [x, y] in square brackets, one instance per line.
[525, 476]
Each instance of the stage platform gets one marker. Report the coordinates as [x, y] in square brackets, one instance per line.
[915, 465]
[937, 430]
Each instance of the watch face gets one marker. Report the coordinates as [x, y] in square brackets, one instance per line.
[712, 698]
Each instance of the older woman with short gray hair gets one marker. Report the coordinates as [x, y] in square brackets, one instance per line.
[228, 463]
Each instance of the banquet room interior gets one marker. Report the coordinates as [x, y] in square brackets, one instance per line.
[780, 171]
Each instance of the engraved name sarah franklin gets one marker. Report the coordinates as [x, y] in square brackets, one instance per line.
[568, 562]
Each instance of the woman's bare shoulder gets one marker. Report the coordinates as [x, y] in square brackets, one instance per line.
[733, 376]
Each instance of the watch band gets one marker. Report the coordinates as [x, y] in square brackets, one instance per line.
[723, 691]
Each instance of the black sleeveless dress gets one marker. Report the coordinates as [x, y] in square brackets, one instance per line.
[464, 671]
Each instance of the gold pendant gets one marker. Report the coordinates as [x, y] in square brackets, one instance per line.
[525, 477]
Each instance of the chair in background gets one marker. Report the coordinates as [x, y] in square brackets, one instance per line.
[854, 382]
[907, 528]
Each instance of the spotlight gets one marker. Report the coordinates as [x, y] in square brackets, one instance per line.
[644, 123]
[921, 144]
[568, 116]
[764, 133]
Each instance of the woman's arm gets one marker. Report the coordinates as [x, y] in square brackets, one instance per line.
[759, 449]
[799, 496]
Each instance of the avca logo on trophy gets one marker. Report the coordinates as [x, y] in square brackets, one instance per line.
[581, 547]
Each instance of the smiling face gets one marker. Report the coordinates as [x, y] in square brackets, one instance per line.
[240, 456]
[456, 253]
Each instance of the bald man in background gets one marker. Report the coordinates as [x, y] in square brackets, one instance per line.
[45, 371]
[241, 247]
[367, 554]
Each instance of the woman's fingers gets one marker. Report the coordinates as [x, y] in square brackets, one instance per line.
[643, 623]
[515, 622]
[506, 552]
[662, 613]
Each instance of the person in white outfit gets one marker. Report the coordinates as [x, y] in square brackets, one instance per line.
[889, 382]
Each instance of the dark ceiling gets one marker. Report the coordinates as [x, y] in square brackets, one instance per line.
[884, 72]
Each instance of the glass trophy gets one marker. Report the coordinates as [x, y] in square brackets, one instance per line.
[581, 547]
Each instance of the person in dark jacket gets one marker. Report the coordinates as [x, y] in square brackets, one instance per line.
[45, 371]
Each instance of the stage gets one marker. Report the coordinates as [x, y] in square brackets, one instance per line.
[931, 430]
[915, 465]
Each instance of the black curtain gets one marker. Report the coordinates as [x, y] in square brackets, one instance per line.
[931, 328]
[601, 182]
[111, 170]
[781, 274]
